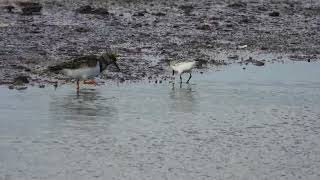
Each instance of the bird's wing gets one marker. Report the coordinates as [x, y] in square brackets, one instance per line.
[83, 61]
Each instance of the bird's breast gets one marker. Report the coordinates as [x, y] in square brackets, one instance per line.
[82, 73]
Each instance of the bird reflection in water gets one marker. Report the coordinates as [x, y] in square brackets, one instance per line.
[183, 98]
[87, 104]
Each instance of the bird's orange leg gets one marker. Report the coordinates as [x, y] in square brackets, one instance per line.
[92, 81]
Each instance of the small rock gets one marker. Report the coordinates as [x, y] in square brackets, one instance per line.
[259, 63]
[55, 85]
[122, 80]
[309, 60]
[238, 5]
[264, 48]
[84, 10]
[262, 8]
[233, 57]
[101, 11]
[242, 46]
[140, 13]
[89, 10]
[21, 87]
[159, 14]
[11, 86]
[82, 29]
[9, 8]
[204, 27]
[41, 86]
[30, 8]
[274, 14]
[187, 9]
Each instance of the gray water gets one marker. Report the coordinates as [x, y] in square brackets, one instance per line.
[258, 123]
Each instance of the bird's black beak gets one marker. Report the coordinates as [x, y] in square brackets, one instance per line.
[172, 72]
[116, 65]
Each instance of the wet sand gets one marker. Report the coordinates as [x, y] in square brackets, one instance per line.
[257, 123]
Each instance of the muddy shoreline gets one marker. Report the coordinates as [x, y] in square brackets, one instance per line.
[146, 34]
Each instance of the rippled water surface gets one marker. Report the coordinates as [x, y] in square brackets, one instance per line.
[258, 123]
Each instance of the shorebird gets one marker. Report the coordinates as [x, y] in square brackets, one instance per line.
[182, 66]
[85, 67]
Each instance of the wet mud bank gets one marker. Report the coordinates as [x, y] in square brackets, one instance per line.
[147, 34]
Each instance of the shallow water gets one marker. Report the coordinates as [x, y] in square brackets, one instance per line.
[258, 123]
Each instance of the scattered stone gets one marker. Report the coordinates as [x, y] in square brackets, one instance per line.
[55, 85]
[242, 46]
[82, 29]
[9, 8]
[159, 14]
[21, 87]
[274, 14]
[236, 57]
[20, 67]
[11, 86]
[187, 9]
[258, 63]
[238, 5]
[140, 13]
[122, 80]
[262, 8]
[20, 80]
[264, 48]
[41, 86]
[90, 10]
[84, 10]
[204, 27]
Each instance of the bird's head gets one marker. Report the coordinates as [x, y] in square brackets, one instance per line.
[111, 58]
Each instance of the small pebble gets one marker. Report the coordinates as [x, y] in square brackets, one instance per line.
[11, 86]
[21, 87]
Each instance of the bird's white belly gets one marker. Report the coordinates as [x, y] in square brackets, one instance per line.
[184, 67]
[82, 73]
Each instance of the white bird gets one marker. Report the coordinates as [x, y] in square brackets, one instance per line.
[182, 66]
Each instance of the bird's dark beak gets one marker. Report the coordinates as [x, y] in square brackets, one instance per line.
[116, 65]
[172, 72]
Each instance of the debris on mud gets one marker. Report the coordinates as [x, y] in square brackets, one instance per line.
[259, 63]
[238, 5]
[254, 62]
[90, 10]
[274, 14]
[30, 8]
[21, 80]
